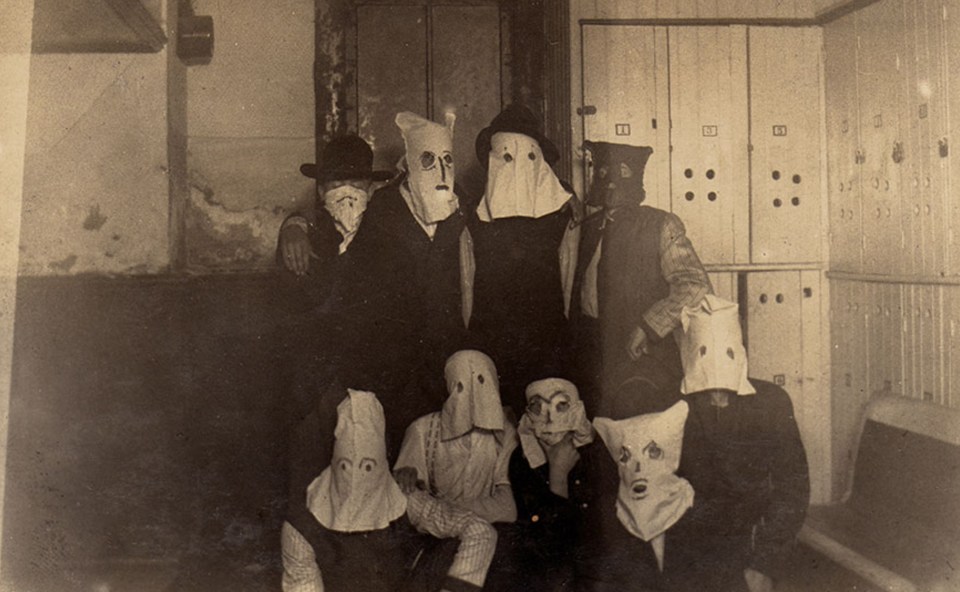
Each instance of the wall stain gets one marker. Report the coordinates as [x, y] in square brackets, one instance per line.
[95, 220]
[64, 264]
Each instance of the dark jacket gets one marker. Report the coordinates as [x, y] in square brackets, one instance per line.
[518, 298]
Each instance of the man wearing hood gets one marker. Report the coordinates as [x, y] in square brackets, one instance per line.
[743, 454]
[353, 529]
[517, 231]
[405, 298]
[636, 270]
[636, 529]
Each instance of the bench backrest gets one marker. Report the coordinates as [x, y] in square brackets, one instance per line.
[908, 462]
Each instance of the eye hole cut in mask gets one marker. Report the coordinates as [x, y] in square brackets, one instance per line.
[430, 166]
[474, 395]
[646, 448]
[711, 348]
[554, 409]
[519, 181]
[346, 205]
[357, 492]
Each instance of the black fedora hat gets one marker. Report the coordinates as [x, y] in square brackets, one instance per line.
[345, 157]
[516, 119]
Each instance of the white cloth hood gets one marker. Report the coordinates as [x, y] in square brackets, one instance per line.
[553, 409]
[346, 205]
[430, 166]
[711, 348]
[519, 180]
[651, 497]
[357, 492]
[474, 399]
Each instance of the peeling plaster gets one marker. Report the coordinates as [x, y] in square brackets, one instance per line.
[224, 239]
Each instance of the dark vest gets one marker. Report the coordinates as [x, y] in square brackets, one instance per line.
[371, 561]
[629, 282]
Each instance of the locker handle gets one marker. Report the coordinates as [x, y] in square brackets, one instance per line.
[943, 147]
[587, 110]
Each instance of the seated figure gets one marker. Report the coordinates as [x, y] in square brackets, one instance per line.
[461, 453]
[549, 483]
[353, 529]
[636, 531]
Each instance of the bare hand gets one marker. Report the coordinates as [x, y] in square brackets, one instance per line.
[296, 249]
[406, 478]
[576, 208]
[638, 345]
[562, 456]
[756, 581]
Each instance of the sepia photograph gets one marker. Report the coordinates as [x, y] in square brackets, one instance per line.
[479, 295]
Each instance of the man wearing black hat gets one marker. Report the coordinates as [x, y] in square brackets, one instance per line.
[309, 251]
[517, 230]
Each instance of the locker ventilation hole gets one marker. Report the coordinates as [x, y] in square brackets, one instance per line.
[777, 203]
[711, 174]
[763, 298]
[796, 179]
[779, 298]
[795, 201]
[689, 196]
[688, 173]
[776, 175]
[712, 196]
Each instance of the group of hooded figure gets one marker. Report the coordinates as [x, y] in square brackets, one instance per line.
[482, 344]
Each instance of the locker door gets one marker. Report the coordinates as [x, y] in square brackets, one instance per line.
[774, 329]
[848, 376]
[785, 136]
[724, 285]
[931, 344]
[951, 324]
[843, 142]
[783, 326]
[910, 340]
[391, 75]
[625, 96]
[708, 113]
[891, 302]
[927, 114]
[880, 99]
[814, 413]
[951, 142]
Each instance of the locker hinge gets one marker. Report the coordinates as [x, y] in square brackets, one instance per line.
[859, 157]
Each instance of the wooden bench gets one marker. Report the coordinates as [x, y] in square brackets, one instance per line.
[899, 527]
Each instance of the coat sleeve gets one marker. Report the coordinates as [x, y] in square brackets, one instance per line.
[300, 570]
[684, 273]
[478, 539]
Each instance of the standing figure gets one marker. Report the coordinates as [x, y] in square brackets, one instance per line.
[517, 230]
[353, 529]
[636, 270]
[404, 300]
